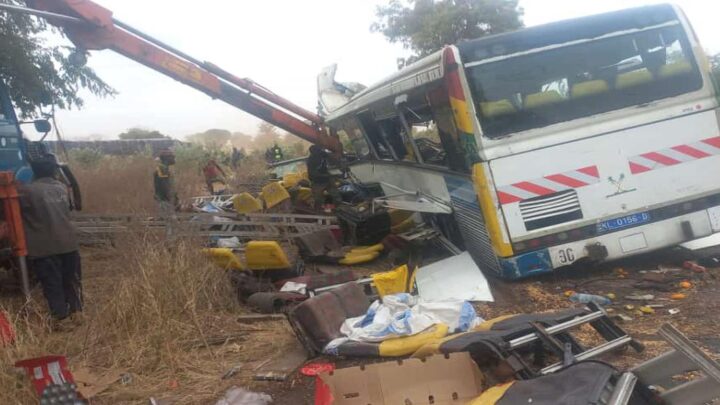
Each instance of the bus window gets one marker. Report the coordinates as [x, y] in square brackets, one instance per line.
[537, 89]
[356, 139]
[460, 148]
[376, 136]
[394, 132]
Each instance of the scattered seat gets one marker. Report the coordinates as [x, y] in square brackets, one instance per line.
[676, 68]
[265, 255]
[589, 88]
[224, 258]
[274, 194]
[633, 78]
[245, 203]
[492, 109]
[542, 98]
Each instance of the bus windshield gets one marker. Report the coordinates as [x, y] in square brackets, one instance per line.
[539, 88]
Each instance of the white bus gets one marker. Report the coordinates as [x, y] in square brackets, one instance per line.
[594, 138]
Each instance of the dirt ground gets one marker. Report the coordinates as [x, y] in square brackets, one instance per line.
[658, 274]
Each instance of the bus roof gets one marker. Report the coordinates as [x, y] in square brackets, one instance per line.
[564, 31]
[394, 85]
[508, 43]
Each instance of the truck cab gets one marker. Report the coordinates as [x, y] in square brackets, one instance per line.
[12, 146]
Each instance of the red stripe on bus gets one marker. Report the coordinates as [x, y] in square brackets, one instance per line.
[690, 151]
[712, 141]
[590, 171]
[566, 181]
[636, 168]
[533, 188]
[506, 198]
[662, 159]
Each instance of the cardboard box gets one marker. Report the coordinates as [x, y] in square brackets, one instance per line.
[437, 380]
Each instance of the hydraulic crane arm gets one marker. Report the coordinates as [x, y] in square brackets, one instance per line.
[92, 27]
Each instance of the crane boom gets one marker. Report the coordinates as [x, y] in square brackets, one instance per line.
[92, 27]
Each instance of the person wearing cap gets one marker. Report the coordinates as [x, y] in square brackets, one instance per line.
[164, 183]
[51, 238]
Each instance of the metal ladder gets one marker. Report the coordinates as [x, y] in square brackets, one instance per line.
[658, 373]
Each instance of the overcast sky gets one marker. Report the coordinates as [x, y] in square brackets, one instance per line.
[281, 44]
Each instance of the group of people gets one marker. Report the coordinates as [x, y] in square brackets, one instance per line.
[51, 238]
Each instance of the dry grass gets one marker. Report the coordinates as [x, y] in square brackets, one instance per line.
[153, 310]
[155, 313]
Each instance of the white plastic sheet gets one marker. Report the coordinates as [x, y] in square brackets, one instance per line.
[457, 277]
[404, 315]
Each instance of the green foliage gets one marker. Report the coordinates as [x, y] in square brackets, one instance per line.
[39, 74]
[212, 139]
[190, 155]
[425, 26]
[85, 157]
[715, 66]
[140, 133]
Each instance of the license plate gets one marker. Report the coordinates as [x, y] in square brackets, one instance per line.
[566, 254]
[623, 222]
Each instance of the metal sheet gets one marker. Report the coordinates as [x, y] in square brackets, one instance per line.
[457, 277]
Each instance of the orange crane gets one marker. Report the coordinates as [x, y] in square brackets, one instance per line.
[92, 27]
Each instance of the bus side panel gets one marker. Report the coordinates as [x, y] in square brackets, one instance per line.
[612, 175]
[469, 218]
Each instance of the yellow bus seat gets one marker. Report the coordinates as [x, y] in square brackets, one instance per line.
[491, 109]
[407, 345]
[245, 203]
[265, 255]
[633, 78]
[589, 88]
[274, 193]
[391, 282]
[676, 68]
[542, 98]
[291, 179]
[224, 258]
[358, 258]
[305, 195]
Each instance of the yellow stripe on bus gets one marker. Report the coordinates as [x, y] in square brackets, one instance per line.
[482, 188]
[462, 115]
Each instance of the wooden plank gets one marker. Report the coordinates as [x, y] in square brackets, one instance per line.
[253, 318]
[283, 366]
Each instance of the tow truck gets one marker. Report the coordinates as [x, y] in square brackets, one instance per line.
[92, 27]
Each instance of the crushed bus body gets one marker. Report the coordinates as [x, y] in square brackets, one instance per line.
[578, 140]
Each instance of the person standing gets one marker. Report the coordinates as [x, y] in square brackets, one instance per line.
[214, 174]
[52, 239]
[320, 179]
[164, 184]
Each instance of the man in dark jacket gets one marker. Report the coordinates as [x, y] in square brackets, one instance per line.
[165, 193]
[51, 238]
[320, 178]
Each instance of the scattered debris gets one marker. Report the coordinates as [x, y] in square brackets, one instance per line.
[647, 310]
[232, 371]
[637, 297]
[674, 311]
[281, 367]
[622, 317]
[457, 277]
[7, 332]
[588, 298]
[685, 284]
[254, 318]
[678, 296]
[314, 369]
[90, 383]
[694, 267]
[241, 396]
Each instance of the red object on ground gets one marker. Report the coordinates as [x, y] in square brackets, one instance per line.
[323, 396]
[7, 333]
[314, 369]
[694, 267]
[47, 370]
